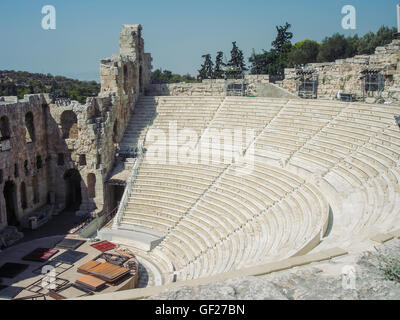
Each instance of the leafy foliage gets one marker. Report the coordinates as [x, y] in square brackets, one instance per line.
[166, 76]
[236, 65]
[303, 52]
[284, 55]
[390, 267]
[219, 72]
[19, 83]
[257, 63]
[206, 71]
[268, 62]
[337, 47]
[274, 62]
[282, 42]
[368, 43]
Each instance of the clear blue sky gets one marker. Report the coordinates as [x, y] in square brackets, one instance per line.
[176, 32]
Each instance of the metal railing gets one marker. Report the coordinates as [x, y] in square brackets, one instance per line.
[128, 190]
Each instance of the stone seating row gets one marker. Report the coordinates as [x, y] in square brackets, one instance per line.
[266, 212]
[204, 215]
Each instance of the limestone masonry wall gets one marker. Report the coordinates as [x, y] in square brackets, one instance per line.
[208, 87]
[58, 154]
[344, 74]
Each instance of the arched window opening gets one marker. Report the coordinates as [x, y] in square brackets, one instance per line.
[29, 128]
[45, 109]
[73, 196]
[39, 163]
[69, 125]
[82, 160]
[9, 193]
[4, 128]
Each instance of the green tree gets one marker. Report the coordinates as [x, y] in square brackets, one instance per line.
[275, 62]
[303, 52]
[160, 76]
[236, 65]
[368, 43]
[219, 72]
[257, 63]
[206, 71]
[166, 76]
[156, 76]
[337, 47]
[385, 35]
[282, 42]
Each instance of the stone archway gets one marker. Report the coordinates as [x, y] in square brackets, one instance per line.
[69, 125]
[73, 192]
[29, 127]
[4, 128]
[10, 198]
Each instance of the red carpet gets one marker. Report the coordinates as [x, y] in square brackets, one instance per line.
[40, 254]
[103, 246]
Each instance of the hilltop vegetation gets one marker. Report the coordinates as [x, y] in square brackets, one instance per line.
[166, 76]
[19, 83]
[284, 54]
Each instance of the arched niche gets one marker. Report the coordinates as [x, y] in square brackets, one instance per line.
[73, 194]
[4, 128]
[69, 125]
[29, 127]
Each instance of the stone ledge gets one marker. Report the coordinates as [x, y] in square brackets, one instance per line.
[289, 263]
[384, 237]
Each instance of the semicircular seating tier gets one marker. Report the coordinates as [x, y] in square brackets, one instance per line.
[284, 171]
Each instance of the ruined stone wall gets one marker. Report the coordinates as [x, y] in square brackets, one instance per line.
[208, 87]
[71, 137]
[344, 74]
[24, 156]
[123, 79]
